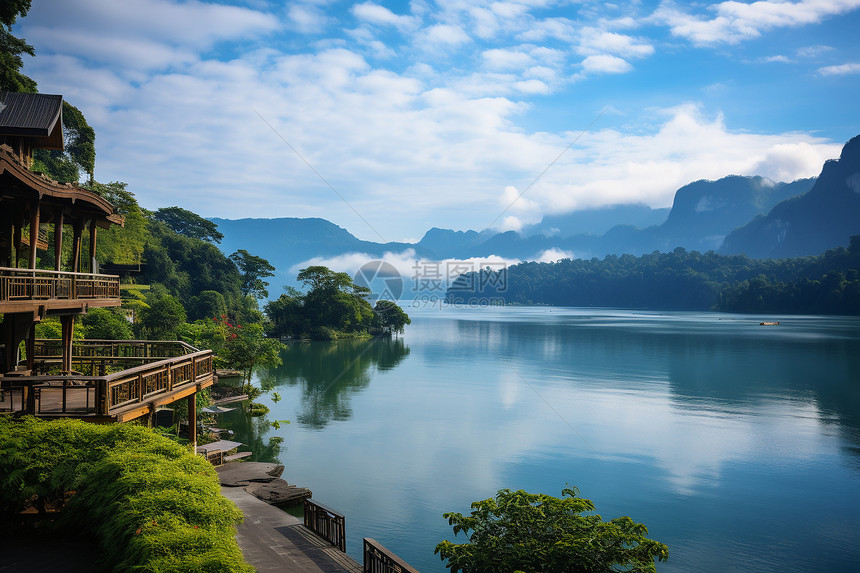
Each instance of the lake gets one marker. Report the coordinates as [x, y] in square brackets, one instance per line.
[738, 445]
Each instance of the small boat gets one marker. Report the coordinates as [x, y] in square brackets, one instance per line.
[769, 324]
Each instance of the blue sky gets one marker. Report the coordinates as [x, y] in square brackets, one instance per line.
[389, 118]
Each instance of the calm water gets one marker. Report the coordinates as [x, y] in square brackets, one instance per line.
[738, 445]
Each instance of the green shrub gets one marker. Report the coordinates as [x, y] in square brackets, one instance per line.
[150, 503]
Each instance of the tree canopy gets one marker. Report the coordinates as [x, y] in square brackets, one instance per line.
[253, 270]
[334, 306]
[538, 533]
[389, 317]
[11, 49]
[680, 279]
[190, 224]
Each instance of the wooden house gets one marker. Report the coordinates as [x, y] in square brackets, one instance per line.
[102, 381]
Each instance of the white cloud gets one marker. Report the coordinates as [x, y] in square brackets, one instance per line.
[610, 167]
[511, 223]
[738, 21]
[813, 51]
[446, 35]
[307, 18]
[160, 34]
[840, 70]
[553, 255]
[594, 41]
[504, 59]
[432, 138]
[605, 64]
[779, 59]
[420, 276]
[376, 14]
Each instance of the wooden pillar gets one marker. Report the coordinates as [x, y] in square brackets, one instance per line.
[6, 236]
[58, 240]
[192, 420]
[31, 347]
[67, 322]
[16, 238]
[34, 233]
[93, 230]
[78, 230]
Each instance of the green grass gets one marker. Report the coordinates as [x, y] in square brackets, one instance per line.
[150, 503]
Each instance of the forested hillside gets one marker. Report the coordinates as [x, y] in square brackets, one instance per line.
[681, 279]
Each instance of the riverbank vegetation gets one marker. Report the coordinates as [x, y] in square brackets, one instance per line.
[520, 531]
[679, 280]
[149, 503]
[333, 308]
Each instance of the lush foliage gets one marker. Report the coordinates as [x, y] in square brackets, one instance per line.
[190, 224]
[187, 266]
[121, 245]
[161, 317]
[106, 324]
[828, 283]
[253, 270]
[150, 504]
[538, 533]
[333, 307]
[389, 317]
[11, 49]
[79, 153]
[246, 347]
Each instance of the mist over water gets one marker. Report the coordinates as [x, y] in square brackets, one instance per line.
[738, 445]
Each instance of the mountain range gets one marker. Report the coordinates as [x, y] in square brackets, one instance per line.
[732, 215]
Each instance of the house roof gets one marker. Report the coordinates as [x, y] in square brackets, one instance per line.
[36, 116]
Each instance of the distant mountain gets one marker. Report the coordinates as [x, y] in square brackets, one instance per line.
[705, 212]
[822, 219]
[285, 242]
[597, 221]
[446, 243]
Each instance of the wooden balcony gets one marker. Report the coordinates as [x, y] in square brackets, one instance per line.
[124, 379]
[26, 290]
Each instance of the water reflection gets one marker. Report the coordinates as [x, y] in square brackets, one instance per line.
[690, 392]
[330, 373]
[706, 427]
[252, 432]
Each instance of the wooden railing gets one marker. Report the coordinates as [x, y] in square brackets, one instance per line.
[139, 385]
[326, 522]
[104, 395]
[35, 284]
[378, 559]
[101, 357]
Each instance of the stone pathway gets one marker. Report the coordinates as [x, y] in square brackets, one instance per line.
[272, 539]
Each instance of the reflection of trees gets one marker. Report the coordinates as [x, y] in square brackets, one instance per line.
[725, 367]
[250, 431]
[330, 372]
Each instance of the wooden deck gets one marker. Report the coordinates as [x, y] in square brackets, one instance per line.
[275, 541]
[132, 392]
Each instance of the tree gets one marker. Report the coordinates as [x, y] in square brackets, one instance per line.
[538, 533]
[163, 317]
[121, 245]
[390, 317]
[253, 270]
[208, 304]
[11, 48]
[246, 348]
[189, 224]
[79, 154]
[105, 324]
